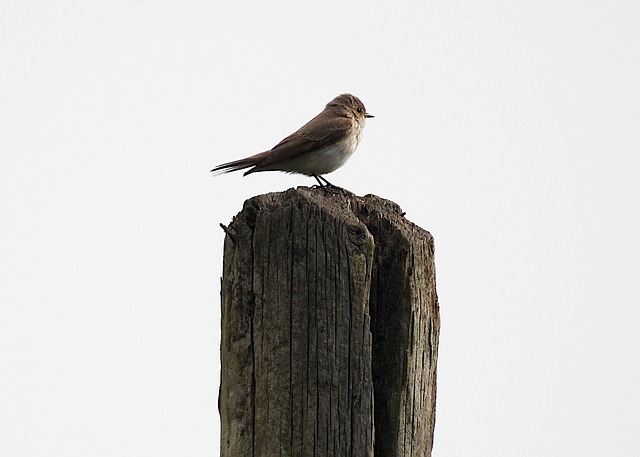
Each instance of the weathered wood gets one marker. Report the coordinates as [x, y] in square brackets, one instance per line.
[326, 297]
[406, 327]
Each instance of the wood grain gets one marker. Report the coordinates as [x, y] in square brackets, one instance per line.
[327, 297]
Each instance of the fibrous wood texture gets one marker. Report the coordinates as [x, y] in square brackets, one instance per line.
[329, 329]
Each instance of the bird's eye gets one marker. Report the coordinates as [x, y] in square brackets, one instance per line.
[359, 110]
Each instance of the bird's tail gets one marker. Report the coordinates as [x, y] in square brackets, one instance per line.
[239, 164]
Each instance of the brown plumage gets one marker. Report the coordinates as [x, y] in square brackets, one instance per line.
[320, 146]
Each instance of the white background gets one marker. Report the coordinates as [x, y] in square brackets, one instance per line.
[508, 129]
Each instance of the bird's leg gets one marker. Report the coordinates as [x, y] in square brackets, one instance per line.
[327, 182]
[320, 180]
[317, 178]
[327, 186]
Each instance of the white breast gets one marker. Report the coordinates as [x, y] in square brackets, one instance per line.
[324, 160]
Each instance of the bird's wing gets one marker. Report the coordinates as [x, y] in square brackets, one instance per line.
[315, 134]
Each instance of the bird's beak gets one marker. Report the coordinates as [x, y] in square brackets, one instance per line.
[368, 115]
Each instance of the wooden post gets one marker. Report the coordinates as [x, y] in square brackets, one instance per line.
[329, 329]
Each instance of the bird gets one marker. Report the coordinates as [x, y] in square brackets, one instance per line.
[319, 147]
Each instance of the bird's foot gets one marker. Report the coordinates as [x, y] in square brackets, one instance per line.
[328, 187]
[322, 182]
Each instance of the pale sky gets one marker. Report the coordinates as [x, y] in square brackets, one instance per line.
[508, 129]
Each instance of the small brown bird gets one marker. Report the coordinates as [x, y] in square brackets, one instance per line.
[319, 147]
